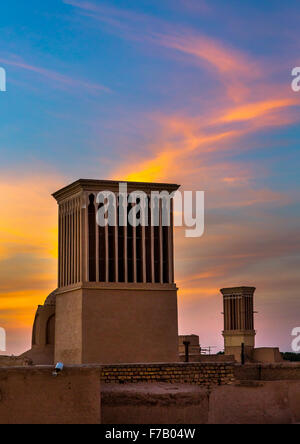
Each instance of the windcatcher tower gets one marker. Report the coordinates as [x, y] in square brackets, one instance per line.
[239, 321]
[117, 300]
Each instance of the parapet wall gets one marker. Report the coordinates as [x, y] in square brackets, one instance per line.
[285, 371]
[192, 393]
[31, 395]
[191, 373]
[274, 402]
[14, 361]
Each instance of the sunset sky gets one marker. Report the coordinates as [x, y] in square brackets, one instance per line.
[186, 91]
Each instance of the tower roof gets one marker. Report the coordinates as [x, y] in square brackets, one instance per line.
[110, 185]
[235, 290]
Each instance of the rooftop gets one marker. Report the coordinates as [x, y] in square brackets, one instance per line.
[110, 185]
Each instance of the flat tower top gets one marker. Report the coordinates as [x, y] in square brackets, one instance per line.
[237, 290]
[110, 185]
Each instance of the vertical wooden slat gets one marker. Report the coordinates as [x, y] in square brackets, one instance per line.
[116, 241]
[71, 243]
[59, 245]
[152, 246]
[97, 240]
[171, 244]
[79, 241]
[64, 265]
[86, 237]
[134, 256]
[161, 243]
[106, 255]
[144, 254]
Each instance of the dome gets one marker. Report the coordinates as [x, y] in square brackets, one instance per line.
[51, 299]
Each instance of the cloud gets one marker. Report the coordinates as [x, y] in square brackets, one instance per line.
[224, 59]
[28, 252]
[55, 77]
[28, 219]
[232, 66]
[252, 101]
[251, 111]
[181, 141]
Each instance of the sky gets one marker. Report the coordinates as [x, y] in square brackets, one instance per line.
[188, 91]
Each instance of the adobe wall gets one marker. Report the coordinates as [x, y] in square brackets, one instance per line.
[31, 395]
[14, 361]
[267, 355]
[40, 355]
[156, 394]
[209, 358]
[261, 394]
[114, 324]
[157, 403]
[268, 372]
[276, 402]
[217, 358]
[68, 328]
[130, 325]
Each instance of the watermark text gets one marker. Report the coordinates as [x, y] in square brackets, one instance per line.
[296, 341]
[155, 209]
[2, 340]
[296, 81]
[2, 80]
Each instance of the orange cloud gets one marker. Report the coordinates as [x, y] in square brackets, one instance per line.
[197, 292]
[224, 59]
[231, 64]
[29, 215]
[251, 111]
[174, 155]
[171, 159]
[28, 247]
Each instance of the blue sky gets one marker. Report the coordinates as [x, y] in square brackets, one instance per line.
[190, 91]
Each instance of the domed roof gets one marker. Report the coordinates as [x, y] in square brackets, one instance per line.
[51, 299]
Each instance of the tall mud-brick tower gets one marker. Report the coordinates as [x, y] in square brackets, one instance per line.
[117, 300]
[239, 321]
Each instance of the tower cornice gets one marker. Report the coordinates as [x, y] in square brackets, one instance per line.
[110, 185]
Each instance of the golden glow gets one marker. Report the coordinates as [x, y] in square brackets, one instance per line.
[29, 219]
[255, 110]
[28, 246]
[197, 292]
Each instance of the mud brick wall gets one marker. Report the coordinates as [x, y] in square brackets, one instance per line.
[32, 395]
[13, 361]
[191, 373]
[268, 372]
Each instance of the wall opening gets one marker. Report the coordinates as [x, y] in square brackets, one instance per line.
[92, 239]
[50, 331]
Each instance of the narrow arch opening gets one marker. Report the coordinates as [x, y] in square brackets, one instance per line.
[34, 330]
[92, 238]
[50, 331]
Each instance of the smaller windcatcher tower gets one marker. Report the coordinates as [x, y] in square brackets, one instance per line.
[239, 333]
